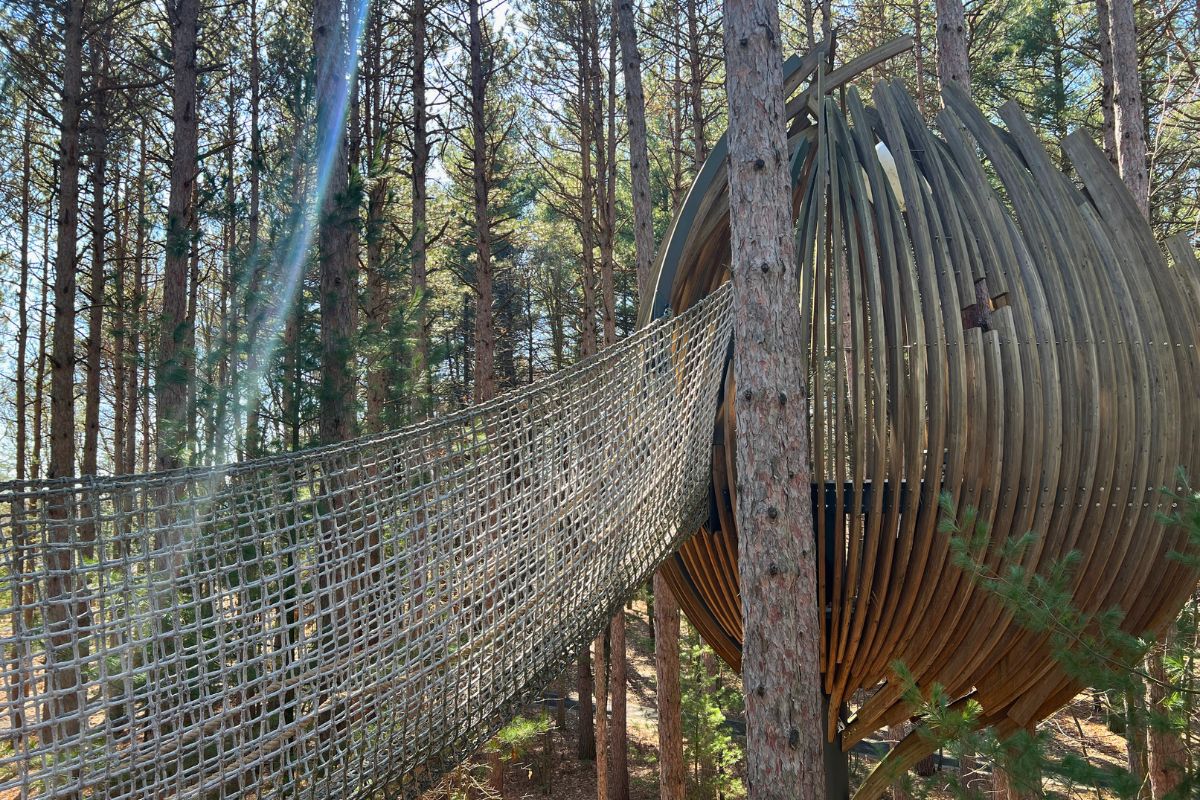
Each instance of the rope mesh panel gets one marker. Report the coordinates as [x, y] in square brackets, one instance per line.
[352, 620]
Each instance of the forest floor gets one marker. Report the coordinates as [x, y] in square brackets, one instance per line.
[1077, 729]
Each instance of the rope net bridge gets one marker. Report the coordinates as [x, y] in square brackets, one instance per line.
[351, 620]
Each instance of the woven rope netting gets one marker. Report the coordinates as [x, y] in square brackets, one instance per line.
[350, 620]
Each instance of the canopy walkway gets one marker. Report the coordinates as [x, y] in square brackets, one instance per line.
[353, 620]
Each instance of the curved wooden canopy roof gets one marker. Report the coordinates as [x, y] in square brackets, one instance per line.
[975, 323]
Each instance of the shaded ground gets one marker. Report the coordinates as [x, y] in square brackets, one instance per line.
[1079, 728]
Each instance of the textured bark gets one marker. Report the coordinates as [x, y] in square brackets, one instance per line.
[139, 335]
[588, 134]
[228, 415]
[671, 773]
[1168, 757]
[39, 386]
[119, 327]
[695, 56]
[1135, 739]
[952, 43]
[918, 8]
[336, 229]
[606, 186]
[618, 781]
[643, 240]
[585, 745]
[485, 328]
[1129, 114]
[639, 160]
[600, 670]
[1107, 111]
[606, 202]
[59, 587]
[62, 361]
[496, 772]
[172, 379]
[255, 307]
[99, 159]
[780, 670]
[1005, 787]
[23, 300]
[377, 300]
[422, 377]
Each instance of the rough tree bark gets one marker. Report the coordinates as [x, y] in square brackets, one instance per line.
[606, 202]
[671, 773]
[336, 229]
[585, 744]
[139, 336]
[37, 461]
[423, 388]
[600, 658]
[952, 43]
[639, 160]
[23, 297]
[377, 300]
[776, 558]
[62, 360]
[171, 378]
[1127, 98]
[485, 329]
[1168, 754]
[255, 307]
[695, 56]
[99, 158]
[1108, 113]
[65, 676]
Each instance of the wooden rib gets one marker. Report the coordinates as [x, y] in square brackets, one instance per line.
[1054, 419]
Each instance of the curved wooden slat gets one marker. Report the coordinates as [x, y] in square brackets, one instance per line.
[974, 323]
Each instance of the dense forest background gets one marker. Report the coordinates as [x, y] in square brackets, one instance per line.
[238, 228]
[233, 261]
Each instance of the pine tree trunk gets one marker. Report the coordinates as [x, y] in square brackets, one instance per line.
[1129, 113]
[43, 355]
[918, 7]
[120, 328]
[172, 378]
[62, 361]
[335, 231]
[485, 329]
[952, 43]
[588, 136]
[1135, 739]
[1168, 756]
[99, 158]
[585, 746]
[23, 300]
[671, 773]
[600, 668]
[139, 334]
[639, 160]
[255, 305]
[696, 85]
[780, 670]
[606, 168]
[1107, 90]
[618, 783]
[422, 377]
[1006, 787]
[64, 675]
[377, 300]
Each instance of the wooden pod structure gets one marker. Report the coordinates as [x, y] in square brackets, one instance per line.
[982, 330]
